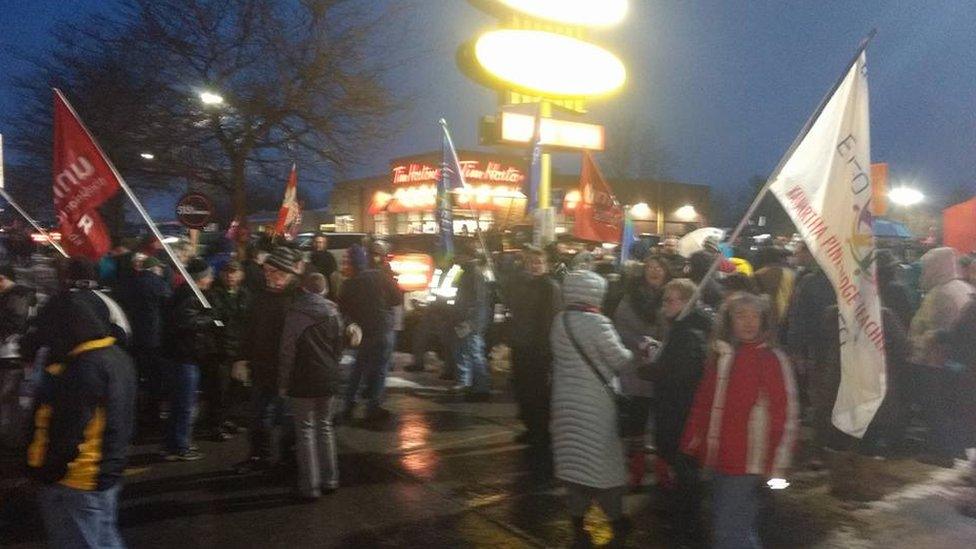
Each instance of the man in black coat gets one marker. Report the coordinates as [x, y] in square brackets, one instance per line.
[259, 357]
[321, 259]
[534, 300]
[149, 297]
[191, 335]
[231, 301]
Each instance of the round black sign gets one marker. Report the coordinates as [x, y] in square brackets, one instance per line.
[194, 210]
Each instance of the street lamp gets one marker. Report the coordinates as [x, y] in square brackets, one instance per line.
[686, 213]
[147, 156]
[210, 98]
[905, 196]
[641, 211]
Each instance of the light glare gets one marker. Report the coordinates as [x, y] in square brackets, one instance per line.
[549, 64]
[147, 156]
[905, 196]
[210, 98]
[640, 211]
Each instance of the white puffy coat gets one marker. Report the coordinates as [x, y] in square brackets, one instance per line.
[586, 447]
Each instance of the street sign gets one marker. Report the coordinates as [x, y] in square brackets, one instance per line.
[194, 210]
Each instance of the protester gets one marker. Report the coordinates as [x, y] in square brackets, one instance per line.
[473, 314]
[894, 295]
[366, 299]
[967, 268]
[637, 317]
[676, 371]
[776, 280]
[16, 304]
[534, 300]
[698, 265]
[674, 261]
[259, 357]
[945, 296]
[588, 453]
[308, 373]
[321, 259]
[191, 343]
[148, 299]
[82, 428]
[78, 281]
[231, 301]
[812, 296]
[743, 422]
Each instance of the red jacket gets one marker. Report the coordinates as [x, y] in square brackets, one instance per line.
[744, 417]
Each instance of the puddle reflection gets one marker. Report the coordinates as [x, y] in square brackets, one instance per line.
[414, 433]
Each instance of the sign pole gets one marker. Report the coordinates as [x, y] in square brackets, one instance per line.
[6, 196]
[142, 211]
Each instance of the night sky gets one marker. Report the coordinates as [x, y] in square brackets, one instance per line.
[725, 84]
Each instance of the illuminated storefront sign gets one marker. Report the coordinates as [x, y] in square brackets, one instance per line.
[520, 128]
[494, 184]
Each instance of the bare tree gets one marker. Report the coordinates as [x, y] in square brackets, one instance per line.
[634, 151]
[301, 80]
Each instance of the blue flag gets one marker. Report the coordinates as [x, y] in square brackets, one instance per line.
[446, 181]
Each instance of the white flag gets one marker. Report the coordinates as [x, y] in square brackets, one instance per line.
[825, 187]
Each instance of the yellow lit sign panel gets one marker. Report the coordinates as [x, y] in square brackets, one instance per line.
[548, 64]
[583, 13]
[520, 128]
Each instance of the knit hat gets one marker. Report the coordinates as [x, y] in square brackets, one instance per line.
[151, 262]
[356, 256]
[285, 259]
[198, 269]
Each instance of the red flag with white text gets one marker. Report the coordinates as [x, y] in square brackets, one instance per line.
[599, 216]
[83, 181]
[290, 213]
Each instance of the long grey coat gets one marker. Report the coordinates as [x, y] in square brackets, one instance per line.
[585, 443]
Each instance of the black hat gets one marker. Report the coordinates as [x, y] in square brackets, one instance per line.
[198, 269]
[285, 259]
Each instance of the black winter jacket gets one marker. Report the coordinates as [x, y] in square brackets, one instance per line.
[367, 298]
[262, 336]
[147, 305]
[311, 347]
[677, 371]
[191, 333]
[533, 302]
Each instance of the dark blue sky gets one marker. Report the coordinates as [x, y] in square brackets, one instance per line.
[726, 84]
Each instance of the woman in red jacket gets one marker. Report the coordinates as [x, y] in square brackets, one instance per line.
[743, 423]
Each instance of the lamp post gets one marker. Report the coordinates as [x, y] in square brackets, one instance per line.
[211, 98]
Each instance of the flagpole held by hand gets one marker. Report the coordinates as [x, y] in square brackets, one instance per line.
[135, 201]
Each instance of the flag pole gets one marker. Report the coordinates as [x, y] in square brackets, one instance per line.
[457, 168]
[142, 211]
[6, 196]
[775, 173]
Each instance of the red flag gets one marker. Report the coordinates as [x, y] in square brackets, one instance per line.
[598, 215]
[290, 212]
[83, 180]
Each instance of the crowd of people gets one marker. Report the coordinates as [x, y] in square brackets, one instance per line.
[608, 362]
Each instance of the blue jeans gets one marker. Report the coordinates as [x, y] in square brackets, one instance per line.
[270, 410]
[372, 359]
[472, 366]
[184, 380]
[735, 507]
[79, 518]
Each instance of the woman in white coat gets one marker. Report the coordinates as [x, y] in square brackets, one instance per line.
[587, 449]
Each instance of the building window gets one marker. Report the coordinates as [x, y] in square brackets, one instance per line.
[381, 223]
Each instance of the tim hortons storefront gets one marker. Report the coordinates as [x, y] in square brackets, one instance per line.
[403, 201]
